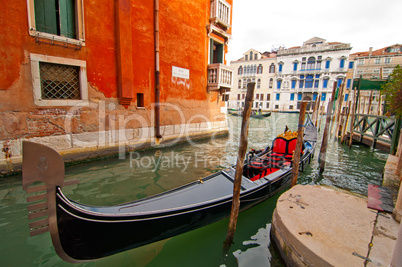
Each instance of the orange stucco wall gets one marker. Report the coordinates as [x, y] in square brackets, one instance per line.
[183, 43]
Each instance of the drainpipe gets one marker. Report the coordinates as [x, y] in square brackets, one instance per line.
[157, 74]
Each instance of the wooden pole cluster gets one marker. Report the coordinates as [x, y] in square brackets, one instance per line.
[345, 125]
[239, 166]
[355, 106]
[299, 144]
[324, 144]
[339, 109]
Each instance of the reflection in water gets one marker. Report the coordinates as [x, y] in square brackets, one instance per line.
[144, 173]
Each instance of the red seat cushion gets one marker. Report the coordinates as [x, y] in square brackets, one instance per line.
[279, 145]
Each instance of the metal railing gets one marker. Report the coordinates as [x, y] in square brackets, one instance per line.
[219, 76]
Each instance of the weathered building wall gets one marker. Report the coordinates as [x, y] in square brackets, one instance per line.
[101, 121]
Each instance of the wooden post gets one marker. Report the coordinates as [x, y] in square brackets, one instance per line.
[299, 144]
[370, 102]
[395, 135]
[324, 144]
[317, 110]
[239, 166]
[340, 102]
[346, 123]
[355, 105]
[322, 114]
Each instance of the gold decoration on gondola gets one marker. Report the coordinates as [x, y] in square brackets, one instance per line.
[288, 135]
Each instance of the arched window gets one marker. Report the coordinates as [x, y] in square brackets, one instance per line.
[311, 63]
[251, 55]
[325, 83]
[272, 68]
[258, 83]
[255, 69]
[280, 66]
[278, 84]
[259, 70]
[271, 82]
[240, 70]
[239, 84]
[244, 83]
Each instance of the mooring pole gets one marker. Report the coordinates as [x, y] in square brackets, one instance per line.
[299, 145]
[355, 105]
[324, 144]
[239, 166]
[346, 123]
[338, 115]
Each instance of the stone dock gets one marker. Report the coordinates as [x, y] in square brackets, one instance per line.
[322, 226]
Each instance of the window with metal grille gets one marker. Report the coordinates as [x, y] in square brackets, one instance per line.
[59, 81]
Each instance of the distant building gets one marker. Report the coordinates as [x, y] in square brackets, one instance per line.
[286, 77]
[374, 65]
[253, 67]
[309, 71]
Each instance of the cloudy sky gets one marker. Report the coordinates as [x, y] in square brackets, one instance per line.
[263, 24]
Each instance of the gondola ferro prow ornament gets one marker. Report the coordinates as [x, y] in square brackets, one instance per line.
[44, 166]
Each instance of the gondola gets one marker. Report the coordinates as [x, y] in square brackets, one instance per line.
[83, 233]
[254, 114]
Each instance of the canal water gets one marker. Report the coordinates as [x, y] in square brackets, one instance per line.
[140, 174]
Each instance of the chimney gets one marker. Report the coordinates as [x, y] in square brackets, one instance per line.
[370, 51]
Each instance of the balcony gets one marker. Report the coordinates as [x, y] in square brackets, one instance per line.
[219, 77]
[220, 13]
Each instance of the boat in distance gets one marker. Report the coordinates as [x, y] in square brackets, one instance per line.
[254, 114]
[82, 233]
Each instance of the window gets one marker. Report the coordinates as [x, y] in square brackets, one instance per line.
[327, 64]
[50, 19]
[292, 97]
[257, 96]
[394, 50]
[361, 62]
[244, 83]
[387, 60]
[59, 81]
[259, 70]
[339, 81]
[271, 82]
[251, 55]
[246, 58]
[261, 97]
[140, 100]
[278, 97]
[295, 66]
[278, 84]
[325, 83]
[290, 106]
[299, 97]
[267, 105]
[240, 70]
[280, 67]
[242, 96]
[316, 83]
[346, 97]
[314, 97]
[276, 106]
[239, 84]
[309, 81]
[351, 63]
[268, 97]
[272, 69]
[301, 83]
[323, 96]
[311, 63]
[303, 66]
[348, 83]
[342, 63]
[377, 61]
[258, 83]
[238, 96]
[294, 84]
[255, 57]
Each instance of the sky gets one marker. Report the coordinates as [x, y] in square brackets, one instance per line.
[263, 24]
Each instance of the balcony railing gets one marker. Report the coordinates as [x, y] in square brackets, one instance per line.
[219, 76]
[220, 13]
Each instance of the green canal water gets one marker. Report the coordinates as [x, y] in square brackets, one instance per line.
[113, 181]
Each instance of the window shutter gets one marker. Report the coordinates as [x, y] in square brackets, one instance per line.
[45, 16]
[67, 18]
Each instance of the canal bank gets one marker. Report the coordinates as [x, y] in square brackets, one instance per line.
[84, 147]
[323, 226]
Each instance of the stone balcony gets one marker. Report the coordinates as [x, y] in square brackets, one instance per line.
[220, 77]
